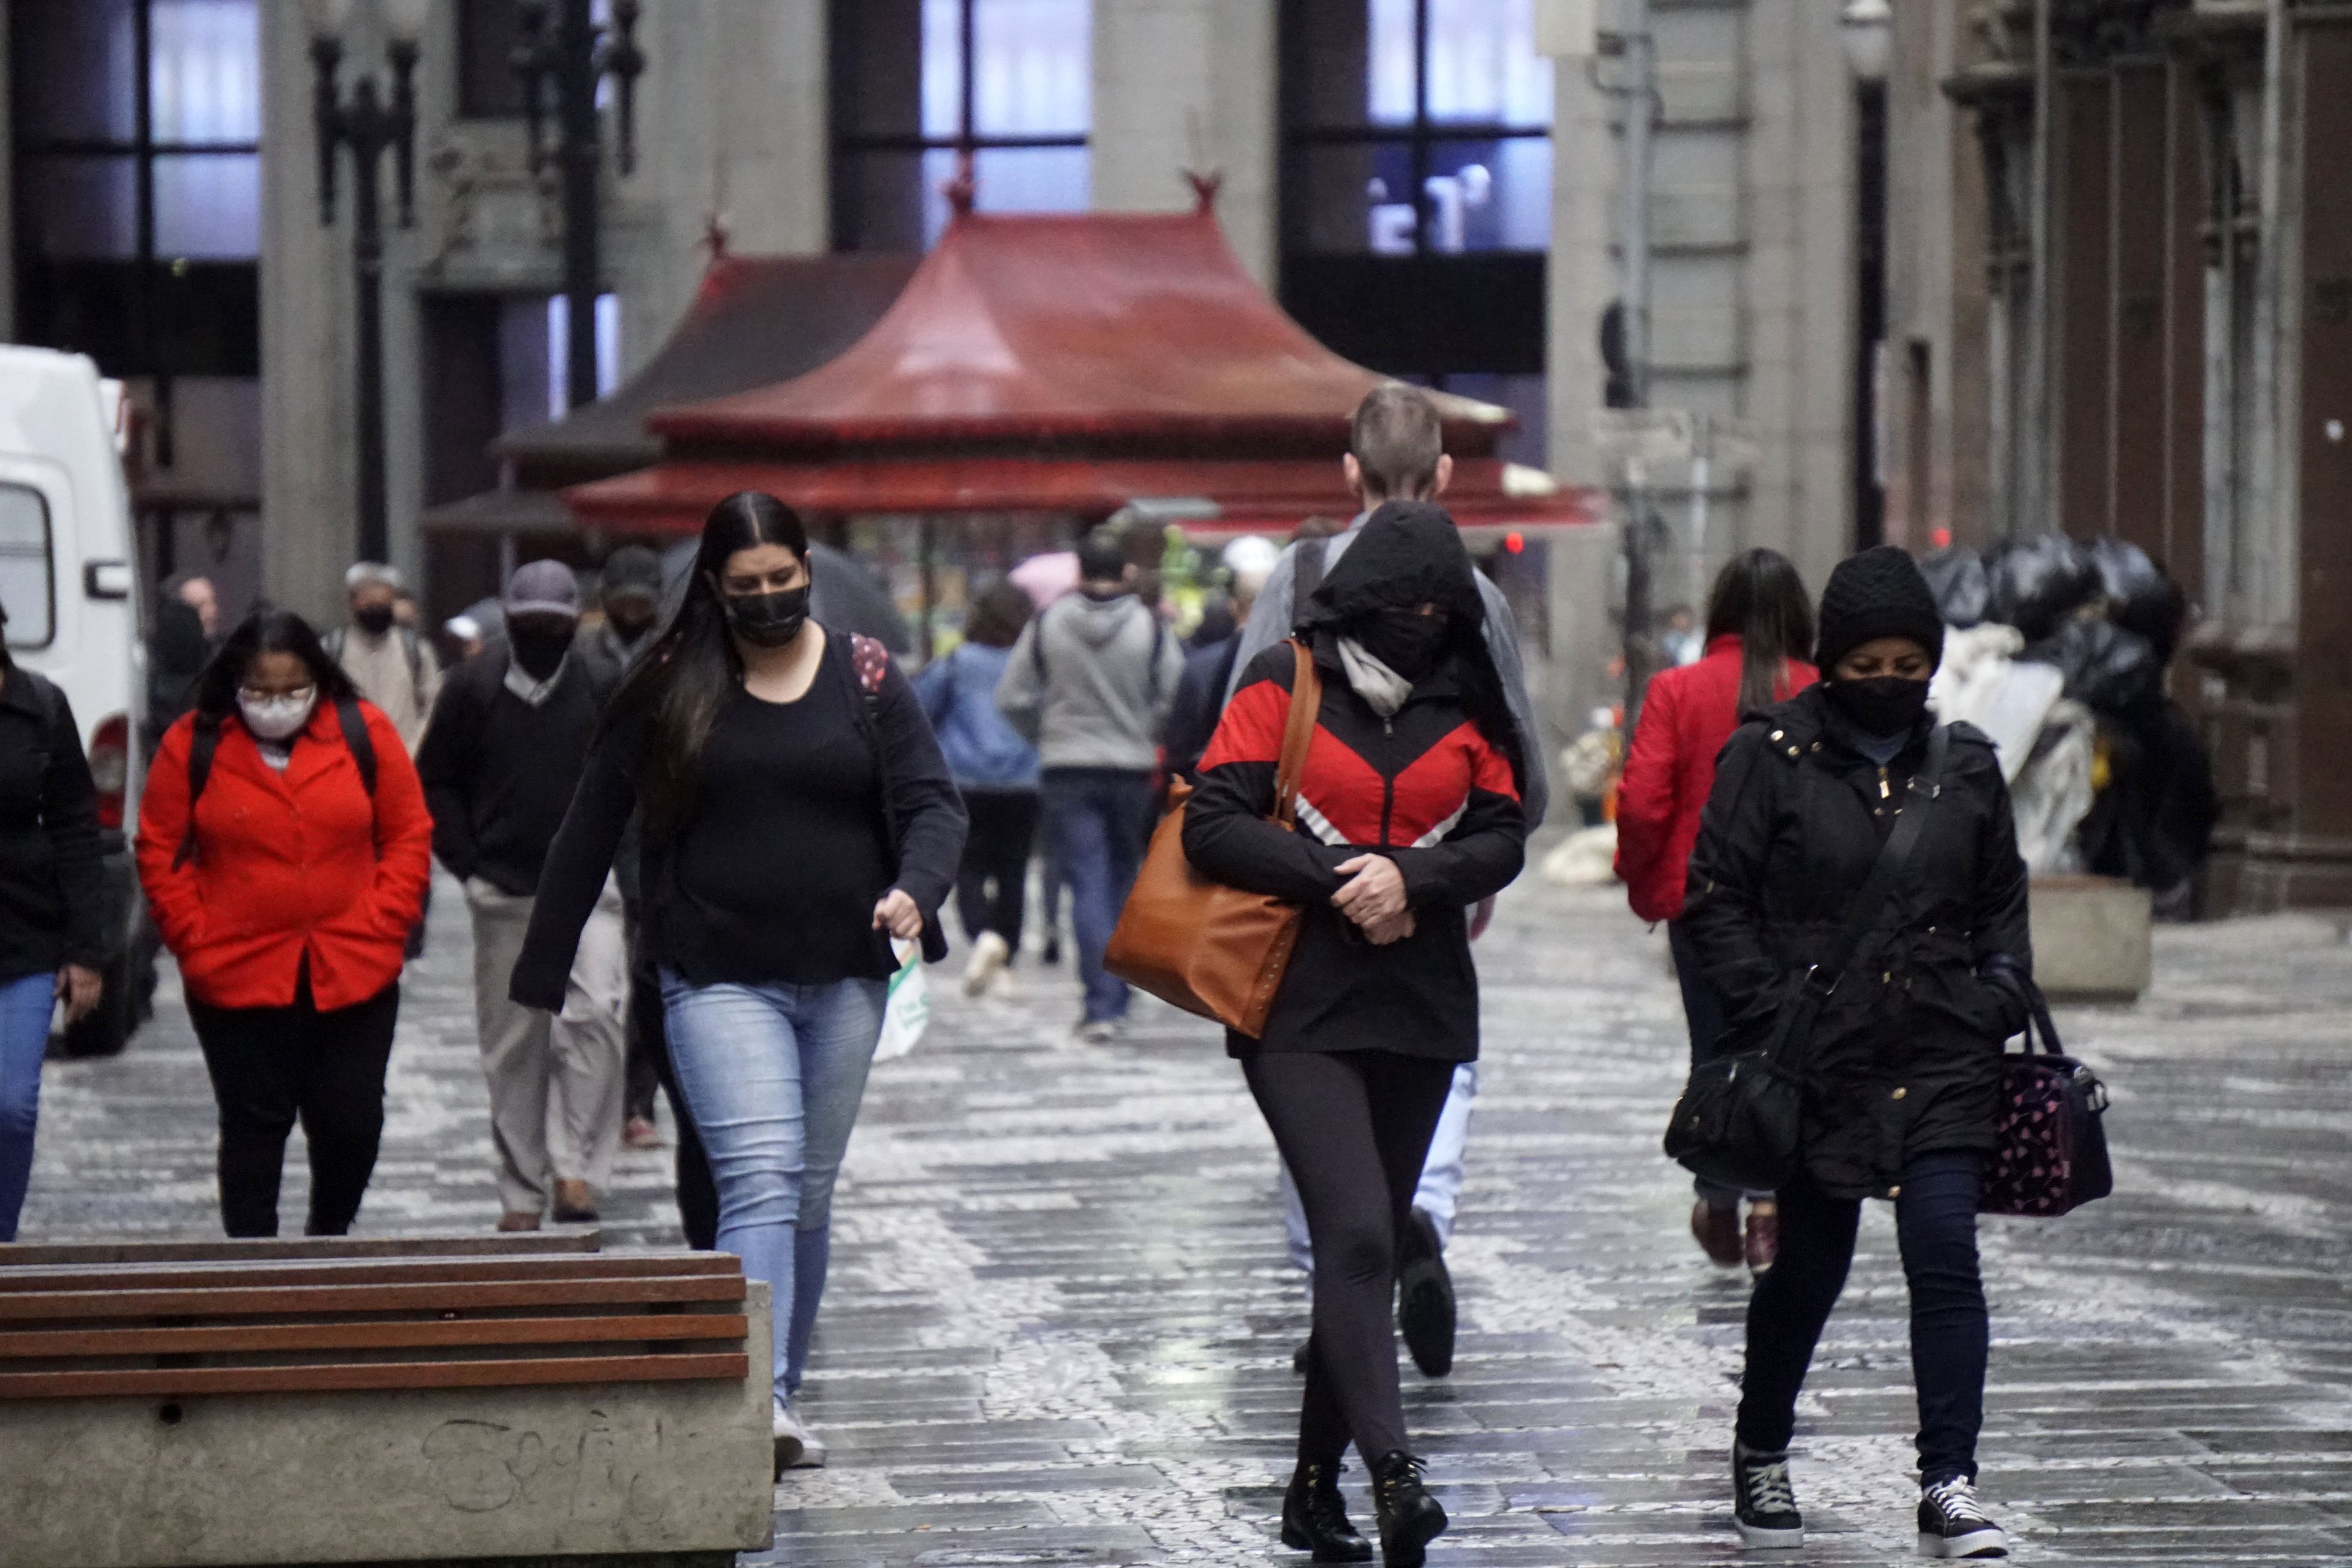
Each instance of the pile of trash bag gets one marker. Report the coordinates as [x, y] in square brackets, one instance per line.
[2058, 651]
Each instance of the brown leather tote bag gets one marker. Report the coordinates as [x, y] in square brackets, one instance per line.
[1202, 946]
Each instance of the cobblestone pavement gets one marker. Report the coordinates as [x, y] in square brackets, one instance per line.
[1060, 1323]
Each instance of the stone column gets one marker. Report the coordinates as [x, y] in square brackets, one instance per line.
[1188, 84]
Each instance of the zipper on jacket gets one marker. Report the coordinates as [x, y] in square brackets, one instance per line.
[1883, 793]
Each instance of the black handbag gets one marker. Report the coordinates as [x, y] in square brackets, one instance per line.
[1737, 1122]
[2050, 1138]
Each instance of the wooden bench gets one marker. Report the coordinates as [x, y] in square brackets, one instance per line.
[413, 1401]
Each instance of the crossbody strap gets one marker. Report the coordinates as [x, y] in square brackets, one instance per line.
[1297, 732]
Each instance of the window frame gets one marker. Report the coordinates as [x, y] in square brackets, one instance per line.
[48, 559]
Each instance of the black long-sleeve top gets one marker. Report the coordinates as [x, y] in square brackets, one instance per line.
[498, 772]
[1425, 789]
[804, 814]
[52, 889]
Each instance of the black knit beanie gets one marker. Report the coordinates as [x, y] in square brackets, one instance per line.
[1877, 593]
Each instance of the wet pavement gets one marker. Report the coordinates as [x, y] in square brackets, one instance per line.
[1060, 1323]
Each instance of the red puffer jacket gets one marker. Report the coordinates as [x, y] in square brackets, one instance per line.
[1686, 716]
[287, 865]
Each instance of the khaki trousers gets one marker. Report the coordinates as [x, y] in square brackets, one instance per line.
[555, 1079]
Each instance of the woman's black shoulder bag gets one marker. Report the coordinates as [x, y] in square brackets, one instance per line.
[2049, 1144]
[1737, 1120]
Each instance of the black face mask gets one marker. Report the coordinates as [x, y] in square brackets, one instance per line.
[1408, 642]
[632, 618]
[1882, 705]
[538, 651]
[767, 620]
[373, 619]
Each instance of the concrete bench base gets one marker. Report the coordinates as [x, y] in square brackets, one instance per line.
[671, 1473]
[2091, 938]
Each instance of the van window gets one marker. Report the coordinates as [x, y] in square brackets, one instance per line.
[29, 586]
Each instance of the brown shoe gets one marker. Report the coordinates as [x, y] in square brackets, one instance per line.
[1717, 1230]
[1763, 1235]
[516, 1219]
[575, 1203]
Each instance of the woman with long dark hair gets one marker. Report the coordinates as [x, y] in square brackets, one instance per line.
[1407, 815]
[284, 845]
[997, 772]
[1760, 626]
[797, 819]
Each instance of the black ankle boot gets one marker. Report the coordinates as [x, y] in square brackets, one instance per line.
[1314, 1517]
[1409, 1517]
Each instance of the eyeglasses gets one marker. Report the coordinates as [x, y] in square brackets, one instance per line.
[259, 694]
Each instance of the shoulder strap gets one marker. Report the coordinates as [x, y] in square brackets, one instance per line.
[356, 736]
[1297, 732]
[872, 662]
[414, 650]
[1928, 783]
[1306, 576]
[202, 741]
[1038, 645]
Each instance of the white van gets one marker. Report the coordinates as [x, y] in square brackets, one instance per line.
[69, 581]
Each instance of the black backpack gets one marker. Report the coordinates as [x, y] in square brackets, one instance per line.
[206, 740]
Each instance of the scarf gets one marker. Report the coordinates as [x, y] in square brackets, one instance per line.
[1382, 689]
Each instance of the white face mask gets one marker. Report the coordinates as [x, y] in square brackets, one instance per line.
[277, 717]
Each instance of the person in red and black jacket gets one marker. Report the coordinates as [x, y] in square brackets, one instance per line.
[1409, 813]
[1759, 623]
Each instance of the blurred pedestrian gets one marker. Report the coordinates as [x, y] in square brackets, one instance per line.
[52, 903]
[996, 771]
[177, 652]
[284, 846]
[798, 818]
[1901, 1075]
[196, 590]
[629, 591]
[1759, 625]
[388, 662]
[1209, 661]
[1409, 815]
[510, 736]
[1090, 682]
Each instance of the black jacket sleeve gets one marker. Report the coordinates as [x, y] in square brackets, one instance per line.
[577, 861]
[1481, 855]
[70, 816]
[1724, 912]
[925, 810]
[1229, 840]
[445, 766]
[2001, 891]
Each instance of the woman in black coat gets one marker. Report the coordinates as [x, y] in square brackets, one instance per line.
[1902, 1072]
[1407, 814]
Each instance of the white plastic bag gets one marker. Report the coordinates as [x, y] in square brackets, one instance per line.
[908, 1011]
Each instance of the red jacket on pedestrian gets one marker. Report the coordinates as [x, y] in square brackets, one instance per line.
[287, 864]
[1687, 714]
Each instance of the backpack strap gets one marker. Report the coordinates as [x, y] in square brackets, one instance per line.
[871, 660]
[356, 736]
[1306, 576]
[204, 741]
[414, 650]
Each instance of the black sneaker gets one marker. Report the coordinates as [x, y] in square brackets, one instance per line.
[1952, 1523]
[1763, 1501]
[1425, 1296]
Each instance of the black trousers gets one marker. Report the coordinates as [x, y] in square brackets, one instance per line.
[992, 879]
[272, 1066]
[1936, 1225]
[698, 1194]
[1354, 1127]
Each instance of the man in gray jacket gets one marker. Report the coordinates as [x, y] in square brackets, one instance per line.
[1090, 683]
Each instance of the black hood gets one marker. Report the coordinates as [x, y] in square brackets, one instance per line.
[1409, 552]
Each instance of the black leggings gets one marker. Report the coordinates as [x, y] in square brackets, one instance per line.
[1354, 1127]
[698, 1194]
[1936, 1224]
[272, 1066]
[996, 851]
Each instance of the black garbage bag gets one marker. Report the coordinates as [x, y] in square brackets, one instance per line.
[2142, 597]
[1955, 575]
[2037, 581]
[2153, 824]
[2113, 672]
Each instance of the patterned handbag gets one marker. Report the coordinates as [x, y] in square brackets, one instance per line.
[2049, 1144]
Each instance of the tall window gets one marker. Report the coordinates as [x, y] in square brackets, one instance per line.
[1416, 189]
[138, 188]
[913, 78]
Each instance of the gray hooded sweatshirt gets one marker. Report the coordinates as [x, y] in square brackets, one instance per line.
[1091, 683]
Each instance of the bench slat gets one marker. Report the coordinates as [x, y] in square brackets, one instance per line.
[151, 1277]
[225, 1339]
[253, 1301]
[356, 1375]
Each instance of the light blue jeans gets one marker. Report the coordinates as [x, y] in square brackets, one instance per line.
[25, 1003]
[1441, 1172]
[773, 1074]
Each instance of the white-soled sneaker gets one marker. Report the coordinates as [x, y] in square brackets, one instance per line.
[1763, 1502]
[989, 951]
[797, 1447]
[1953, 1523]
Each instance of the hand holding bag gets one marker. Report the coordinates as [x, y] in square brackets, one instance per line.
[2049, 1142]
[1739, 1121]
[1213, 950]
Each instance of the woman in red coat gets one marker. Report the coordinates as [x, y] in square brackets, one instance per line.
[1757, 618]
[284, 845]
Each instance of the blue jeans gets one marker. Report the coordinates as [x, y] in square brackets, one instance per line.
[1098, 821]
[773, 1074]
[1935, 1227]
[1441, 1174]
[25, 1003]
